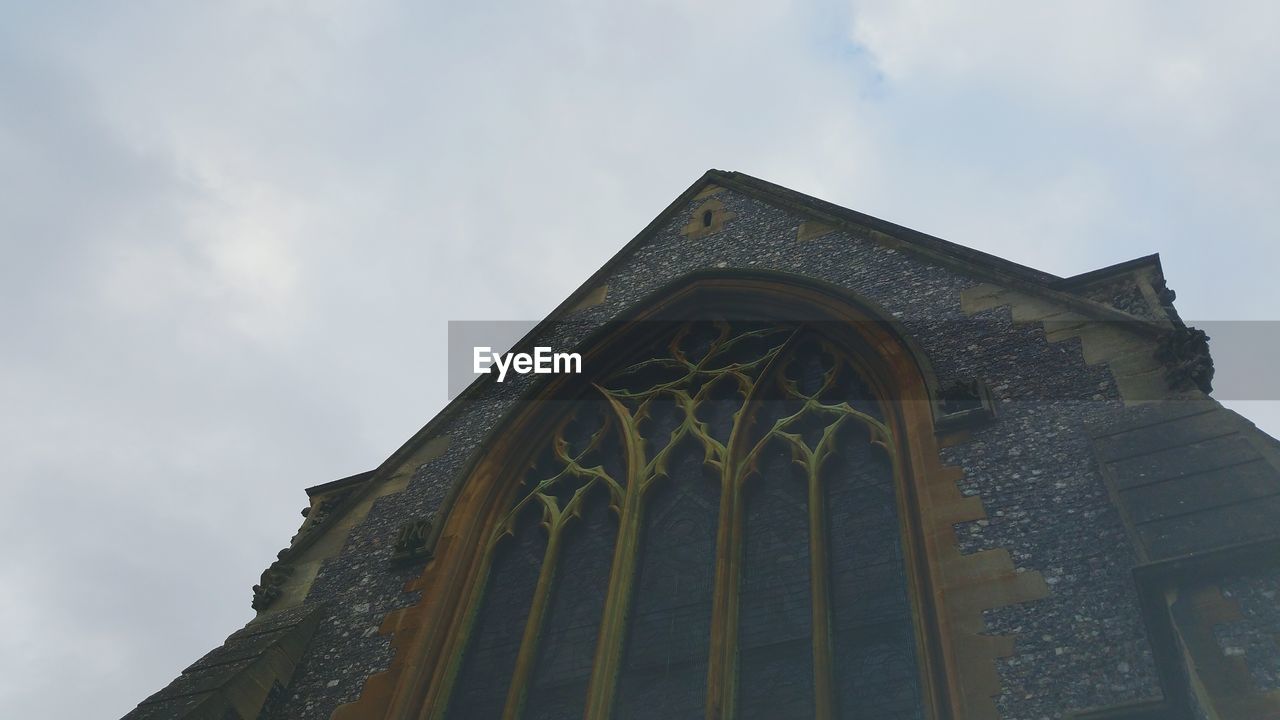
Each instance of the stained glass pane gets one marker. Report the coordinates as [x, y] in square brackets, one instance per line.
[490, 658]
[774, 636]
[664, 664]
[874, 640]
[810, 432]
[568, 643]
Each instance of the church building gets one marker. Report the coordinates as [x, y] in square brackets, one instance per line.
[814, 465]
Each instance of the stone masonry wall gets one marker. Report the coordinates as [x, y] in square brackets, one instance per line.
[1256, 635]
[1046, 504]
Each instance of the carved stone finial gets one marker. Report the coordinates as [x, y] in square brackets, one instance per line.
[413, 541]
[1184, 351]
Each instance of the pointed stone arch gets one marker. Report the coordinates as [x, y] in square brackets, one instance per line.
[948, 591]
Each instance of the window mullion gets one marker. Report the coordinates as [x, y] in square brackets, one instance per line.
[528, 653]
[823, 684]
[435, 707]
[722, 662]
[722, 670]
[608, 657]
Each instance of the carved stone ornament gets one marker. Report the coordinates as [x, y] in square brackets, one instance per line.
[269, 587]
[1166, 296]
[317, 514]
[413, 541]
[1184, 352]
[1165, 293]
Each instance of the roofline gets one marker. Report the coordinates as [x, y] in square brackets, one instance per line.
[573, 298]
[339, 484]
[810, 204]
[959, 257]
[1110, 271]
[976, 261]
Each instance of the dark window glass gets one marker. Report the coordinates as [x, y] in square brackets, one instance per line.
[809, 435]
[481, 689]
[567, 649]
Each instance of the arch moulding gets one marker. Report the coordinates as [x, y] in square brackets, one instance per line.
[950, 591]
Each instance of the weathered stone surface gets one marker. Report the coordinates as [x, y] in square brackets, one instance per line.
[1061, 424]
[1031, 467]
[1179, 496]
[1211, 528]
[1190, 478]
[1255, 635]
[233, 681]
[1204, 456]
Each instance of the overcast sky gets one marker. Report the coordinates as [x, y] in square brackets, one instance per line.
[233, 233]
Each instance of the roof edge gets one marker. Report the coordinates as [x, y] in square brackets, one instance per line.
[1110, 272]
[957, 257]
[339, 483]
[808, 202]
[996, 268]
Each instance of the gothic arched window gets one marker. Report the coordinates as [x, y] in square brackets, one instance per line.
[713, 527]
